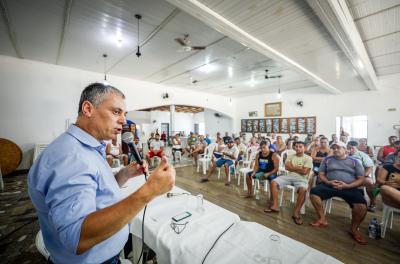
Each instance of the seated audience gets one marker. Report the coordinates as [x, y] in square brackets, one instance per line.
[389, 181]
[199, 149]
[341, 176]
[319, 153]
[367, 163]
[177, 146]
[299, 167]
[333, 139]
[315, 143]
[151, 138]
[362, 146]
[392, 156]
[265, 168]
[207, 139]
[226, 138]
[309, 138]
[253, 146]
[272, 138]
[242, 149]
[114, 151]
[229, 156]
[138, 146]
[280, 145]
[164, 137]
[344, 137]
[289, 150]
[191, 143]
[156, 149]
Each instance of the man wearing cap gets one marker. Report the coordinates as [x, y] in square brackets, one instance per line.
[340, 176]
[229, 156]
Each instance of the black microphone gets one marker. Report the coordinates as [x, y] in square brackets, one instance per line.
[127, 137]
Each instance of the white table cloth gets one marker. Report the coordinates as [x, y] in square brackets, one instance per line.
[244, 242]
[192, 244]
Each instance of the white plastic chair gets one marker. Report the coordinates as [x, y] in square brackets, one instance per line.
[328, 204]
[39, 149]
[231, 167]
[387, 216]
[178, 155]
[248, 168]
[40, 246]
[205, 158]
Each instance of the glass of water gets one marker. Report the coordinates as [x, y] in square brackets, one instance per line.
[274, 250]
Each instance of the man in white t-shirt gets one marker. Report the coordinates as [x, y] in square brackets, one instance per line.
[228, 158]
[156, 149]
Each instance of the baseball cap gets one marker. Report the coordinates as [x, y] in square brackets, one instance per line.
[339, 143]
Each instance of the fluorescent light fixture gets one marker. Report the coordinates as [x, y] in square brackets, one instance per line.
[230, 71]
[208, 68]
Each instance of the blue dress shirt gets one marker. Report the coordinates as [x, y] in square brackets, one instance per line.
[70, 180]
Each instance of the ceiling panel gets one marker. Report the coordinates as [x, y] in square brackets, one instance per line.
[38, 26]
[378, 22]
[293, 29]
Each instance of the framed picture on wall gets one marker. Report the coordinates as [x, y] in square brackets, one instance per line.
[273, 109]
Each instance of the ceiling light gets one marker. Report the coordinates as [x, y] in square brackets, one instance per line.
[252, 81]
[360, 64]
[138, 17]
[230, 71]
[207, 68]
[230, 101]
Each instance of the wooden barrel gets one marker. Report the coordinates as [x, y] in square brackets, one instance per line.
[10, 156]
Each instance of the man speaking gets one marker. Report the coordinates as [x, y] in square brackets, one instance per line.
[82, 214]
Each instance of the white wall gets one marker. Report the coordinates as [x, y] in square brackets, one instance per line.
[215, 124]
[37, 98]
[326, 108]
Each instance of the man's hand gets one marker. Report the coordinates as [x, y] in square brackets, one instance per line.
[162, 179]
[339, 185]
[132, 170]
[393, 184]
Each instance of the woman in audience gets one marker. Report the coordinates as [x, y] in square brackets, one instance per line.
[389, 181]
[114, 151]
[289, 150]
[280, 145]
[315, 143]
[199, 149]
[253, 146]
[362, 146]
[386, 150]
[265, 168]
[177, 145]
[319, 153]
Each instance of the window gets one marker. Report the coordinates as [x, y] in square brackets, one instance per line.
[356, 126]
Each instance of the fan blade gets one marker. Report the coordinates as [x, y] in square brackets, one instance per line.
[180, 41]
[198, 47]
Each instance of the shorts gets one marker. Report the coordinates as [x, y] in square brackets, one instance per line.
[177, 149]
[260, 174]
[351, 196]
[151, 154]
[221, 162]
[217, 155]
[296, 181]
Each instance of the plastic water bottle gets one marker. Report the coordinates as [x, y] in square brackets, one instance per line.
[378, 231]
[257, 194]
[372, 228]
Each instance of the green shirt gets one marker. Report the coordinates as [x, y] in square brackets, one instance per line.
[304, 161]
[366, 161]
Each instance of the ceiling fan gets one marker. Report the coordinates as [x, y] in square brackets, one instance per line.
[185, 43]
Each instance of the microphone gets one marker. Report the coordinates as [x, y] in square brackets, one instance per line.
[169, 195]
[127, 137]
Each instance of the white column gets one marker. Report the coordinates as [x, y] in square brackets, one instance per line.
[172, 120]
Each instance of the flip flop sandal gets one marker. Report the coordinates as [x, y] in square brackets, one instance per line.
[297, 220]
[270, 210]
[317, 223]
[358, 238]
[204, 180]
